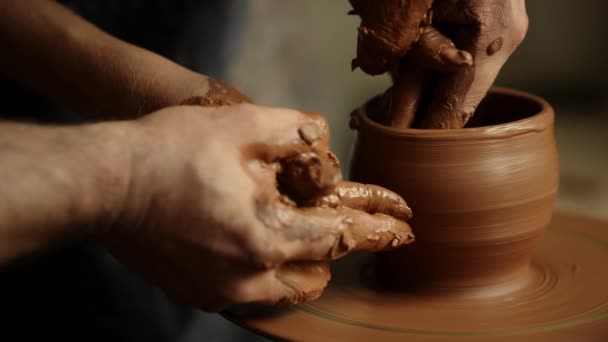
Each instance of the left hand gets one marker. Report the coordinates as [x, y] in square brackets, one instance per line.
[239, 204]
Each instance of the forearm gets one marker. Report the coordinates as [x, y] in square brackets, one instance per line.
[62, 56]
[59, 183]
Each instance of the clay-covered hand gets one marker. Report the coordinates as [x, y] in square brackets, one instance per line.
[387, 31]
[449, 55]
[390, 29]
[213, 92]
[242, 203]
[490, 30]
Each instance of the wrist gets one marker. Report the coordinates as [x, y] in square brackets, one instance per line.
[102, 176]
[140, 164]
[60, 183]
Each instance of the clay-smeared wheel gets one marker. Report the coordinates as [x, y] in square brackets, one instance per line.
[563, 297]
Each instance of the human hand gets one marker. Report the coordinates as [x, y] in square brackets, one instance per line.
[453, 61]
[241, 203]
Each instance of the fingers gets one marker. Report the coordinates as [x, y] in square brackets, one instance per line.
[281, 126]
[446, 107]
[307, 167]
[283, 133]
[333, 233]
[405, 95]
[433, 52]
[297, 147]
[371, 233]
[369, 198]
[491, 31]
[388, 29]
[315, 132]
[437, 52]
[318, 233]
[303, 281]
[491, 42]
[288, 284]
[446, 104]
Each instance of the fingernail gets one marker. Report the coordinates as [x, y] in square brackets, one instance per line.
[396, 241]
[333, 159]
[457, 57]
[343, 244]
[310, 133]
[464, 57]
[403, 212]
[400, 240]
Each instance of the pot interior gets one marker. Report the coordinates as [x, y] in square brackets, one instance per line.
[500, 108]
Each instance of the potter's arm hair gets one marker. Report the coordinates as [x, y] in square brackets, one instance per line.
[59, 183]
[52, 50]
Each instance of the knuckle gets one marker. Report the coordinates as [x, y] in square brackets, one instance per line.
[315, 117]
[519, 25]
[520, 29]
[319, 120]
[236, 292]
[264, 253]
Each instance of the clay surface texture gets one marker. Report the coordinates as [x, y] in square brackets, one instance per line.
[564, 298]
[490, 263]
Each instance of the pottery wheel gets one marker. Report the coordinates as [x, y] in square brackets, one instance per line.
[565, 297]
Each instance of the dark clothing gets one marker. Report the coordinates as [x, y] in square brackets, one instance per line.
[202, 35]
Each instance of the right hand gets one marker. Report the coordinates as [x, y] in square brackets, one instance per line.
[451, 60]
[240, 204]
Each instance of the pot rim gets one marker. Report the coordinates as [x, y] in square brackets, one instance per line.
[538, 122]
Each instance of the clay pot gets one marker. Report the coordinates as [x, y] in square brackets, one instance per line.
[481, 196]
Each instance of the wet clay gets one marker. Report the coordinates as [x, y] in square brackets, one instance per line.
[311, 216]
[565, 298]
[308, 175]
[432, 51]
[314, 215]
[215, 92]
[482, 268]
[369, 198]
[482, 196]
[434, 78]
[352, 217]
[306, 279]
[387, 31]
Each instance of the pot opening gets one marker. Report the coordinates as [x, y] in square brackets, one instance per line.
[500, 106]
